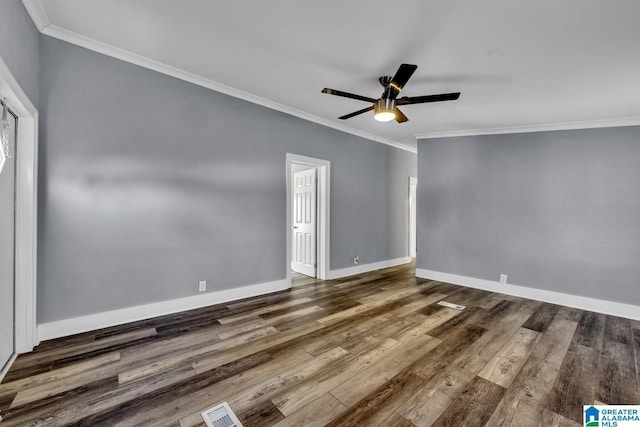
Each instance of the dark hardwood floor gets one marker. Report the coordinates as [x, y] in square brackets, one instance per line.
[373, 349]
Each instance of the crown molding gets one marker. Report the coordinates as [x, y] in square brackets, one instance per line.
[40, 18]
[37, 13]
[142, 61]
[594, 124]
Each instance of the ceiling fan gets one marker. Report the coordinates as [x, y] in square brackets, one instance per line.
[385, 108]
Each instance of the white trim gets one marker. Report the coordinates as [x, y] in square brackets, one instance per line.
[584, 303]
[323, 211]
[6, 368]
[323, 206]
[26, 209]
[42, 22]
[365, 268]
[37, 13]
[91, 322]
[593, 124]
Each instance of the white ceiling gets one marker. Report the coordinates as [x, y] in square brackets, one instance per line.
[520, 65]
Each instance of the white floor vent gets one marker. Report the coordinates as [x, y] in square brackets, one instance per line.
[448, 304]
[220, 416]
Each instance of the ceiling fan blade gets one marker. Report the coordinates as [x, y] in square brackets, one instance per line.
[400, 117]
[355, 113]
[404, 73]
[347, 95]
[427, 98]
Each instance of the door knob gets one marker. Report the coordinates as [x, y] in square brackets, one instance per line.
[294, 227]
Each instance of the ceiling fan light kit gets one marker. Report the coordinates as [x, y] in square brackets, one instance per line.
[385, 108]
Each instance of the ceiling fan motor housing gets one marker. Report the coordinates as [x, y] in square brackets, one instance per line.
[385, 80]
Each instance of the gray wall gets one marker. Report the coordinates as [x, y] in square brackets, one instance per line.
[149, 184]
[553, 210]
[19, 40]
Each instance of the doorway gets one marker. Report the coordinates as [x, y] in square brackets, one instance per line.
[303, 219]
[307, 221]
[7, 237]
[413, 240]
[25, 155]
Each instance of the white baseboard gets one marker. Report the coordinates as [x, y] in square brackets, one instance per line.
[584, 303]
[76, 325]
[364, 268]
[4, 370]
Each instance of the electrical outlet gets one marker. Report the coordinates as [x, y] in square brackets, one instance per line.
[356, 259]
[202, 285]
[503, 278]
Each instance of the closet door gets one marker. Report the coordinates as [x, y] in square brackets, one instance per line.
[7, 247]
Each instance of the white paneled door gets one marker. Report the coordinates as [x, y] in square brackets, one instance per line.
[304, 222]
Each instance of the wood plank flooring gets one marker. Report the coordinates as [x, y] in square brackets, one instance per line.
[367, 350]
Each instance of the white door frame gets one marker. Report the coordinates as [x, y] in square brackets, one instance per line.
[26, 209]
[322, 241]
